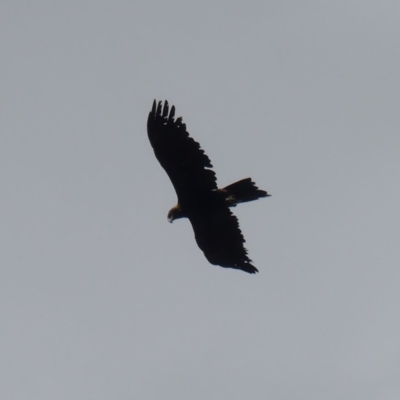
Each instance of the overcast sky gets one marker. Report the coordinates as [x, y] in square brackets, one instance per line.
[101, 298]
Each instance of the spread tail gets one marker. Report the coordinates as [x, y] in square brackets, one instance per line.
[243, 191]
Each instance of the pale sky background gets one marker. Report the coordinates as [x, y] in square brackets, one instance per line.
[101, 298]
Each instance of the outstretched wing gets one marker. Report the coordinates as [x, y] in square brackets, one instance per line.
[218, 234]
[180, 156]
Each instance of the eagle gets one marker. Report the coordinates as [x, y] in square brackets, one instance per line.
[207, 207]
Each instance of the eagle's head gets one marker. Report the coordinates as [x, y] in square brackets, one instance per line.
[174, 213]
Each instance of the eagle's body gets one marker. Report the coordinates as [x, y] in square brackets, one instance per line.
[216, 229]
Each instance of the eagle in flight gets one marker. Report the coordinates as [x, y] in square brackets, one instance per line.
[215, 228]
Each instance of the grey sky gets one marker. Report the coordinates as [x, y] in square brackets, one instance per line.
[102, 298]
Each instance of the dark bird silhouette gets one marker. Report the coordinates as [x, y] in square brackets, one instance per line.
[216, 229]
